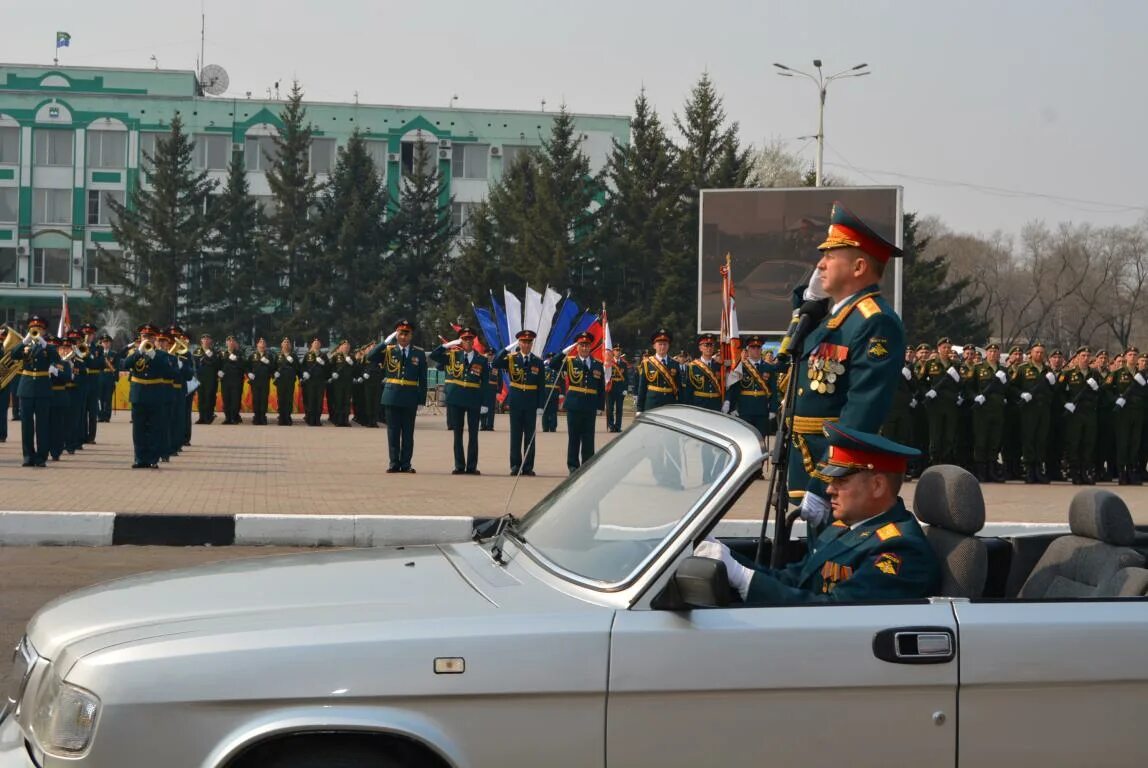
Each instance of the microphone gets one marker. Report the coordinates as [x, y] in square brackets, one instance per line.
[804, 321]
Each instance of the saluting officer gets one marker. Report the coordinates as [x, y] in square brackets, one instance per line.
[585, 398]
[552, 396]
[659, 375]
[524, 399]
[150, 377]
[466, 380]
[40, 365]
[232, 372]
[701, 379]
[288, 368]
[260, 368]
[1032, 383]
[614, 363]
[109, 374]
[208, 362]
[404, 370]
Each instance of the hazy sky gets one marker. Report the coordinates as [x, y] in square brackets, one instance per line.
[989, 113]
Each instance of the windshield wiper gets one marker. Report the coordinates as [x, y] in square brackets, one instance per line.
[508, 523]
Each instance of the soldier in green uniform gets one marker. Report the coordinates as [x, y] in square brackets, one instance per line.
[466, 380]
[260, 369]
[490, 394]
[208, 362]
[109, 374]
[183, 371]
[899, 426]
[1032, 384]
[1077, 386]
[1126, 393]
[525, 398]
[373, 372]
[93, 364]
[873, 550]
[1140, 452]
[585, 398]
[942, 383]
[1011, 445]
[701, 377]
[614, 363]
[987, 401]
[150, 372]
[164, 416]
[404, 368]
[851, 362]
[1105, 466]
[62, 417]
[920, 416]
[288, 369]
[232, 372]
[659, 375]
[315, 371]
[341, 377]
[754, 383]
[77, 390]
[551, 398]
[1055, 453]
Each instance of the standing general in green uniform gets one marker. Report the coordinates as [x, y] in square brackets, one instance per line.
[466, 381]
[942, 387]
[1078, 386]
[525, 398]
[990, 388]
[850, 364]
[585, 398]
[873, 550]
[1032, 383]
[404, 368]
[1128, 388]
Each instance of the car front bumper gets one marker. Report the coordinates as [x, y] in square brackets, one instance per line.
[13, 753]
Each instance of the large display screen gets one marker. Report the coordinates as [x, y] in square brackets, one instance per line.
[772, 236]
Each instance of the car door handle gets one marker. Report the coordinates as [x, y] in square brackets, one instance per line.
[915, 645]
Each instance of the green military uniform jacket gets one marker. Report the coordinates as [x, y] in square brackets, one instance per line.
[527, 380]
[936, 376]
[658, 383]
[753, 394]
[404, 376]
[985, 382]
[465, 383]
[848, 372]
[1072, 385]
[151, 378]
[701, 384]
[1033, 379]
[585, 386]
[34, 372]
[884, 558]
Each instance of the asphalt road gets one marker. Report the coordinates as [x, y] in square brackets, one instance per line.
[33, 576]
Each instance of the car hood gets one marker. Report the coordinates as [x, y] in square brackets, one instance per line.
[293, 590]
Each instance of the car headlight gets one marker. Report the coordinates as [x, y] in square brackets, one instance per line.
[65, 717]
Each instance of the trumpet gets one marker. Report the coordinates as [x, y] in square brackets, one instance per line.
[146, 347]
[80, 351]
[178, 347]
[34, 334]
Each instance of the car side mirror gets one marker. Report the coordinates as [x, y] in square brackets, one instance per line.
[702, 582]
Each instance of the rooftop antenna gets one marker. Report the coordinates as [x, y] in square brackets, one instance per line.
[154, 61]
[202, 35]
[544, 105]
[453, 99]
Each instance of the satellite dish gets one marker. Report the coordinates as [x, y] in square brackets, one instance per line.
[213, 79]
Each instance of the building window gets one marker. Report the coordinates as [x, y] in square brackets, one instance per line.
[52, 206]
[51, 266]
[9, 205]
[52, 147]
[96, 270]
[409, 149]
[211, 152]
[8, 265]
[266, 203]
[378, 152]
[10, 145]
[100, 213]
[260, 153]
[469, 161]
[149, 145]
[107, 149]
[460, 218]
[322, 155]
[511, 152]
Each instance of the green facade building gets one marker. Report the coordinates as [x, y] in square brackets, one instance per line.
[71, 138]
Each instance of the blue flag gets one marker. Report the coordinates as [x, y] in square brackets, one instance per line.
[583, 323]
[561, 328]
[63, 39]
[489, 329]
[500, 317]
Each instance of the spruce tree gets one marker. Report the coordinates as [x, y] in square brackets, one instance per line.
[416, 267]
[299, 289]
[230, 282]
[931, 302]
[476, 269]
[567, 190]
[354, 235]
[162, 233]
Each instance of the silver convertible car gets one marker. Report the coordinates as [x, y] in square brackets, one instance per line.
[585, 634]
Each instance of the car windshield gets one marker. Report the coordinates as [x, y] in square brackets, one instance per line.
[605, 521]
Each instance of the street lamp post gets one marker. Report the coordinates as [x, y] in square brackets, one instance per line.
[822, 84]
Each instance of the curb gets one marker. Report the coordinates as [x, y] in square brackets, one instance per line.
[103, 529]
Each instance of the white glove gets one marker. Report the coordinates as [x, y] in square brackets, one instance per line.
[334, 376]
[814, 290]
[907, 373]
[539, 412]
[356, 381]
[1070, 407]
[960, 399]
[1026, 396]
[1121, 402]
[394, 335]
[733, 412]
[306, 375]
[277, 374]
[321, 361]
[1002, 377]
[1050, 377]
[28, 339]
[452, 344]
[232, 358]
[251, 377]
[931, 394]
[512, 346]
[725, 407]
[979, 399]
[366, 376]
[1092, 383]
[179, 364]
[739, 576]
[264, 360]
[1140, 379]
[483, 410]
[53, 370]
[219, 374]
[637, 414]
[913, 403]
[209, 353]
[954, 374]
[814, 509]
[569, 349]
[290, 359]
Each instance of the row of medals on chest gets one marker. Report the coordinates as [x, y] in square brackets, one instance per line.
[823, 375]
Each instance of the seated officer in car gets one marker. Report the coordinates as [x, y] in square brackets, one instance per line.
[873, 550]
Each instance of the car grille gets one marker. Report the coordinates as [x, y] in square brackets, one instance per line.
[12, 687]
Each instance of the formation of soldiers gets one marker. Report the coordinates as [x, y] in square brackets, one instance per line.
[1026, 416]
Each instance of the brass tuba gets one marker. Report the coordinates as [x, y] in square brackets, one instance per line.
[9, 367]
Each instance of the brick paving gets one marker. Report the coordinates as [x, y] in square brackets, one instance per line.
[327, 470]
